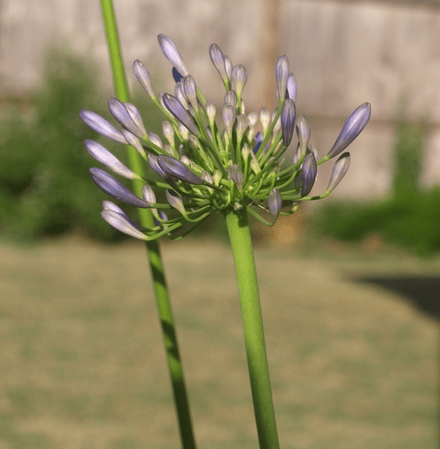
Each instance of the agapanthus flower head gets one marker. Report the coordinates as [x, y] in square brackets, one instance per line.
[208, 162]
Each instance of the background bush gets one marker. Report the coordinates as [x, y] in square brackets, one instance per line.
[409, 217]
[45, 189]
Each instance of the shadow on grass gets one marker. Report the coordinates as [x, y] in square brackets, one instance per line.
[423, 292]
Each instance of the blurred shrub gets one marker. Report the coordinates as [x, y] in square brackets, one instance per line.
[45, 188]
[412, 222]
[409, 217]
[409, 148]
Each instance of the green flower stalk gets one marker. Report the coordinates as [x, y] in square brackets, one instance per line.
[236, 166]
[117, 217]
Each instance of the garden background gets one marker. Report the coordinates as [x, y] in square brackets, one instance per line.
[350, 288]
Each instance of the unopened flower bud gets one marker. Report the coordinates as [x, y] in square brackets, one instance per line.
[175, 201]
[339, 170]
[154, 164]
[168, 131]
[148, 194]
[121, 222]
[171, 52]
[217, 59]
[308, 174]
[134, 142]
[143, 76]
[282, 72]
[228, 67]
[303, 132]
[102, 155]
[190, 91]
[292, 87]
[241, 125]
[101, 126]
[274, 204]
[136, 116]
[114, 188]
[155, 139]
[236, 175]
[206, 176]
[239, 78]
[229, 115]
[121, 114]
[176, 169]
[265, 119]
[180, 113]
[351, 129]
[231, 98]
[287, 117]
[210, 112]
[253, 117]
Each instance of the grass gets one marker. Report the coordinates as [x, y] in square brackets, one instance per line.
[353, 366]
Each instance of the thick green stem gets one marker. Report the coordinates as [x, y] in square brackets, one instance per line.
[241, 243]
[153, 250]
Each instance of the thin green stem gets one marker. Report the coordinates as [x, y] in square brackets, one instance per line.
[153, 250]
[241, 243]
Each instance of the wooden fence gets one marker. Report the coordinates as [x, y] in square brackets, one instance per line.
[342, 53]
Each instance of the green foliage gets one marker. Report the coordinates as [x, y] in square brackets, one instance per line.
[412, 222]
[409, 218]
[45, 188]
[408, 155]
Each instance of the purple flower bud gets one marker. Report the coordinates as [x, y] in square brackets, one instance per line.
[229, 115]
[135, 116]
[102, 155]
[231, 98]
[241, 125]
[308, 175]
[143, 76]
[351, 129]
[123, 223]
[265, 119]
[210, 111]
[155, 139]
[159, 218]
[274, 204]
[239, 78]
[171, 52]
[292, 87]
[114, 188]
[180, 113]
[288, 115]
[236, 175]
[253, 117]
[218, 60]
[148, 194]
[176, 169]
[176, 75]
[168, 131]
[134, 141]
[206, 177]
[282, 72]
[303, 132]
[178, 93]
[121, 114]
[190, 90]
[101, 126]
[339, 170]
[258, 141]
[154, 164]
[175, 201]
[109, 205]
[228, 67]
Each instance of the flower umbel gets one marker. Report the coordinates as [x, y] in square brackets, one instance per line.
[205, 166]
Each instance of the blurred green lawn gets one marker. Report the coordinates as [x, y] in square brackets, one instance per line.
[82, 366]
